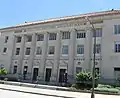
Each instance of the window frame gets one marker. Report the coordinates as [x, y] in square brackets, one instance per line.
[52, 36]
[18, 41]
[117, 47]
[98, 48]
[80, 35]
[4, 50]
[17, 51]
[63, 50]
[39, 51]
[40, 37]
[27, 53]
[80, 49]
[66, 35]
[27, 38]
[51, 52]
[6, 39]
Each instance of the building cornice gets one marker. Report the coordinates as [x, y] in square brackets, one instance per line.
[67, 18]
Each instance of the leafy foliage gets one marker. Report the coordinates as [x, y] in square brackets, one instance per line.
[3, 71]
[84, 80]
[111, 90]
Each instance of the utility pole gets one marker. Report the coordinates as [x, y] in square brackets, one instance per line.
[94, 51]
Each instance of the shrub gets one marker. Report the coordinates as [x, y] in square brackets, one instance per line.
[3, 71]
[104, 86]
[84, 80]
[109, 90]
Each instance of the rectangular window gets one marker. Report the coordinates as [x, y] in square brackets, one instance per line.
[52, 36]
[81, 35]
[65, 35]
[39, 51]
[65, 49]
[28, 38]
[27, 51]
[78, 69]
[40, 37]
[4, 50]
[98, 49]
[15, 70]
[116, 29]
[80, 49]
[6, 39]
[18, 39]
[98, 32]
[51, 49]
[117, 47]
[17, 51]
[97, 70]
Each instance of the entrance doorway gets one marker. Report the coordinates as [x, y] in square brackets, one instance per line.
[35, 74]
[48, 74]
[61, 75]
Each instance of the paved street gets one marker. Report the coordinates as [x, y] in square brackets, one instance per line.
[14, 94]
[43, 93]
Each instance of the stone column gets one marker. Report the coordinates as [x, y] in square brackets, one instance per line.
[12, 56]
[56, 59]
[88, 48]
[21, 54]
[70, 65]
[43, 57]
[32, 54]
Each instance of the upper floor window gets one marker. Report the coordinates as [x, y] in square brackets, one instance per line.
[28, 38]
[81, 35]
[27, 51]
[15, 70]
[17, 51]
[51, 50]
[39, 51]
[18, 39]
[66, 35]
[117, 29]
[65, 49]
[80, 49]
[98, 32]
[117, 47]
[4, 50]
[6, 39]
[40, 37]
[52, 36]
[98, 48]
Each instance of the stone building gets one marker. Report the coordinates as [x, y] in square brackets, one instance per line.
[49, 48]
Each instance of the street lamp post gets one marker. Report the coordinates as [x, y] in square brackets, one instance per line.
[94, 51]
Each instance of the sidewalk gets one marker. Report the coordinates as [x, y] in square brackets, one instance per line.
[56, 93]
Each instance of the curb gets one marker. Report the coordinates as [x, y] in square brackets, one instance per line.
[54, 88]
[35, 93]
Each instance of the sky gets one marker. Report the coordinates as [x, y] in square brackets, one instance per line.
[13, 12]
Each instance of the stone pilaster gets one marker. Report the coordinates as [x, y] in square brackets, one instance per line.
[13, 50]
[88, 48]
[56, 59]
[21, 54]
[71, 56]
[32, 54]
[43, 57]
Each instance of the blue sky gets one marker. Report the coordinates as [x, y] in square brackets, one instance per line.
[14, 12]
